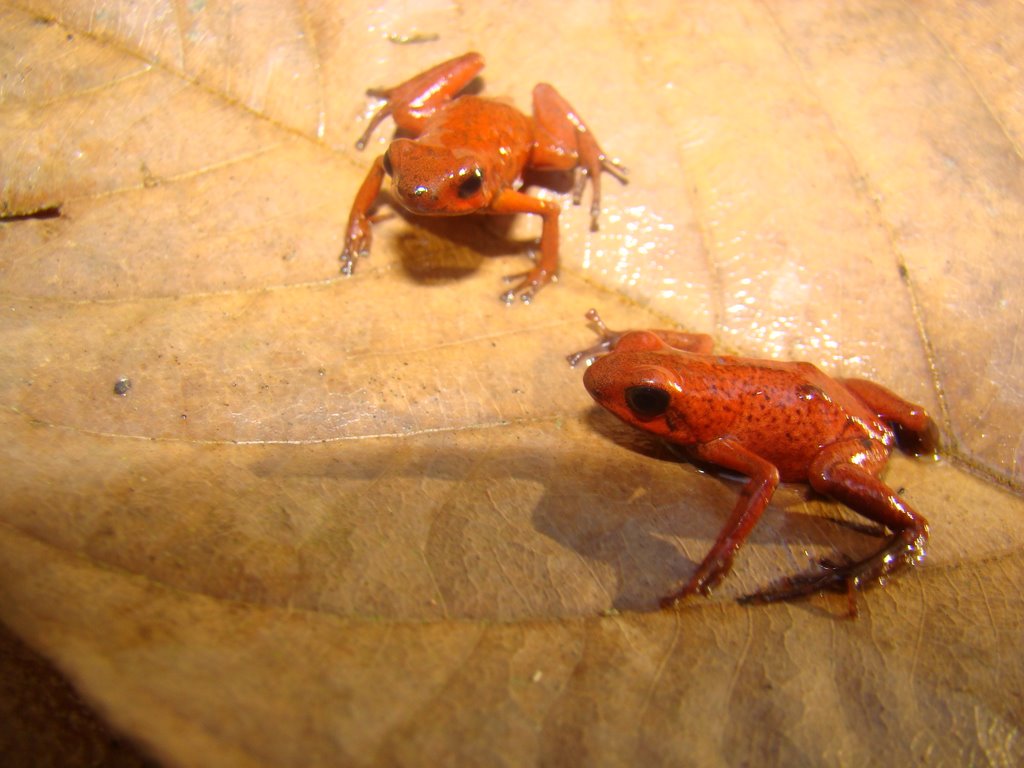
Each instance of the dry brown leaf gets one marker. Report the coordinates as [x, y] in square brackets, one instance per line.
[376, 520]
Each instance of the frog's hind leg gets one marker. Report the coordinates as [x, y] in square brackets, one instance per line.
[608, 339]
[915, 430]
[856, 485]
[413, 102]
[562, 142]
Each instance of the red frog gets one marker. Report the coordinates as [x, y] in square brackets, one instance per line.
[770, 421]
[467, 154]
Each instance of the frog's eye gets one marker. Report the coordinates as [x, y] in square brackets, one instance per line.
[387, 163]
[471, 184]
[647, 401]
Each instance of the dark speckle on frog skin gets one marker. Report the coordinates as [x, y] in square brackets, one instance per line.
[122, 386]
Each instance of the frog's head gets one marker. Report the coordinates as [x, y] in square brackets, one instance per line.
[638, 383]
[434, 180]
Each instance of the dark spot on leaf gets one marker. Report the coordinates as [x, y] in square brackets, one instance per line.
[50, 212]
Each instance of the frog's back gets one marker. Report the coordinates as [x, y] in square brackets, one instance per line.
[784, 412]
[487, 128]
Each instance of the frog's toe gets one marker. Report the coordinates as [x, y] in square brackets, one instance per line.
[525, 294]
[350, 256]
[527, 285]
[615, 168]
[800, 586]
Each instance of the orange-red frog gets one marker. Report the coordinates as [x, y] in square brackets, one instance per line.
[467, 155]
[770, 421]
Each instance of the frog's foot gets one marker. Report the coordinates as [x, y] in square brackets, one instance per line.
[357, 244]
[710, 573]
[829, 578]
[694, 587]
[527, 284]
[349, 258]
[607, 341]
[904, 549]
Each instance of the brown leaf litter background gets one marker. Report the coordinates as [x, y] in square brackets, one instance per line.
[377, 520]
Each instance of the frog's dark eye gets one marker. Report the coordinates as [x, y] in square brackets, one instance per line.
[471, 184]
[387, 163]
[647, 402]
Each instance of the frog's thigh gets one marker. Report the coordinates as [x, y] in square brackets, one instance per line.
[847, 471]
[918, 433]
[416, 100]
[556, 143]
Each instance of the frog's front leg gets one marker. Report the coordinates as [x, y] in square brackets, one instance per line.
[563, 142]
[413, 102]
[758, 491]
[358, 234]
[846, 472]
[545, 269]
